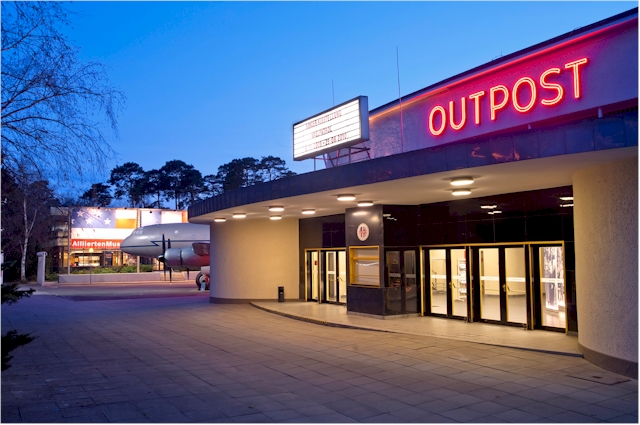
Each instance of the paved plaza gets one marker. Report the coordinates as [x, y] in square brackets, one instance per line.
[127, 353]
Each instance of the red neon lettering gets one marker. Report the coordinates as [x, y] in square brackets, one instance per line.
[514, 97]
[551, 86]
[463, 117]
[443, 121]
[576, 75]
[492, 99]
[476, 99]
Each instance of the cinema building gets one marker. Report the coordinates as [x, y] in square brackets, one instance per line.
[506, 194]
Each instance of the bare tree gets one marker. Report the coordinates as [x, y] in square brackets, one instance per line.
[29, 200]
[55, 107]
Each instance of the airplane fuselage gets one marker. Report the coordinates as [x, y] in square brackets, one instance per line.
[147, 241]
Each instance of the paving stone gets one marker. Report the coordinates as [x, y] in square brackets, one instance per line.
[151, 364]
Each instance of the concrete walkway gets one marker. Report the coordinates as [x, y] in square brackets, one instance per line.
[482, 333]
[127, 354]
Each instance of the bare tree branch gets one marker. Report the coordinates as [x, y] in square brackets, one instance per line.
[56, 108]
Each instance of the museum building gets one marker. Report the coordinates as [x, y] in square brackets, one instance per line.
[507, 194]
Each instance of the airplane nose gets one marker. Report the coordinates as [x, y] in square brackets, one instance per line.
[134, 244]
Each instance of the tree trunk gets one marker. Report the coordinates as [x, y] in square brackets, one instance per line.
[27, 233]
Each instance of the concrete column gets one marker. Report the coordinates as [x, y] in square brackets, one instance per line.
[250, 259]
[606, 238]
[42, 261]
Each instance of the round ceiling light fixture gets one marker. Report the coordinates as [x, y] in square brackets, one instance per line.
[461, 181]
[308, 212]
[495, 212]
[276, 208]
[365, 203]
[461, 192]
[346, 197]
[219, 219]
[488, 207]
[275, 217]
[239, 215]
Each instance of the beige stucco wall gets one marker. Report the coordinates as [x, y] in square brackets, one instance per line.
[606, 237]
[251, 258]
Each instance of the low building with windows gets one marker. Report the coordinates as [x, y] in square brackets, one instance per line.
[506, 194]
[96, 234]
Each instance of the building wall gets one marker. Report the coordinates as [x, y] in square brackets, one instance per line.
[606, 237]
[250, 259]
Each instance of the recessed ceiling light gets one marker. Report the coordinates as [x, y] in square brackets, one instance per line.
[566, 198]
[346, 198]
[488, 207]
[275, 217]
[461, 192]
[219, 219]
[386, 215]
[495, 212]
[365, 203]
[276, 208]
[567, 205]
[461, 181]
[239, 215]
[308, 212]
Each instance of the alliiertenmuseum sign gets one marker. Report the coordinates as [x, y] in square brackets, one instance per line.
[339, 127]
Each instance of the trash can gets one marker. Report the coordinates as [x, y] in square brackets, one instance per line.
[280, 294]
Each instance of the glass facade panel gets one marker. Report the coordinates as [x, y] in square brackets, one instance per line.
[330, 276]
[342, 276]
[516, 285]
[489, 284]
[394, 273]
[552, 286]
[365, 266]
[438, 280]
[459, 282]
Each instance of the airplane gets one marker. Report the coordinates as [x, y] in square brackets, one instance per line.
[183, 246]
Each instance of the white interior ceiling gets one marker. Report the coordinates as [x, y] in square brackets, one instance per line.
[510, 177]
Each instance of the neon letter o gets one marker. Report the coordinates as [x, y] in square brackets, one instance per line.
[443, 121]
[514, 94]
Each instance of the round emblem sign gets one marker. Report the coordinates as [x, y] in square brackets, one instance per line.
[363, 232]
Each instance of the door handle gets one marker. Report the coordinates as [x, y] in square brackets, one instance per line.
[504, 287]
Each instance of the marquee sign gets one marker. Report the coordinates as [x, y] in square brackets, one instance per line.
[339, 127]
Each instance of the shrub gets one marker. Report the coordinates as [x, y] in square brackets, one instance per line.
[51, 277]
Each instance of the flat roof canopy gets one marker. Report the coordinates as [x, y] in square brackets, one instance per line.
[489, 180]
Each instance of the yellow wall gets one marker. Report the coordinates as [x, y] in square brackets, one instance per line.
[251, 258]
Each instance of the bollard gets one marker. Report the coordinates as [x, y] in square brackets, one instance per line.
[41, 265]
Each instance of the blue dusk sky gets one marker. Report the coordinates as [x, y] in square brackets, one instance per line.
[208, 82]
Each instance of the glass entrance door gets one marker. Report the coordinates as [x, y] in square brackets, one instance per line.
[549, 286]
[326, 275]
[447, 290]
[312, 275]
[401, 285]
[331, 276]
[502, 284]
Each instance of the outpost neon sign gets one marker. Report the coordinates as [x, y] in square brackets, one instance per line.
[500, 96]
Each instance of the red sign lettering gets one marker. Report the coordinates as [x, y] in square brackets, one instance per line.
[500, 96]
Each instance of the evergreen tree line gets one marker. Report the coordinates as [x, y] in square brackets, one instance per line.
[180, 183]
